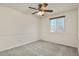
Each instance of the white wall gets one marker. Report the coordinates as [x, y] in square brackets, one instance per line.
[68, 37]
[78, 29]
[16, 28]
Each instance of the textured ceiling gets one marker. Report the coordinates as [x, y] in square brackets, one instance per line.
[57, 7]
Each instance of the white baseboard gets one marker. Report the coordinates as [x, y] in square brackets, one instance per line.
[18, 45]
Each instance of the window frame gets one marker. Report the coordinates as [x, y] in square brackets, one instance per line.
[56, 24]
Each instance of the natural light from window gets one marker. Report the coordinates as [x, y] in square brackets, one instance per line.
[57, 24]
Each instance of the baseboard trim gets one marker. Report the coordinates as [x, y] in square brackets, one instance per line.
[17, 45]
[59, 43]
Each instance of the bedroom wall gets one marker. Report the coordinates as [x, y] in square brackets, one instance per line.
[78, 29]
[16, 28]
[68, 37]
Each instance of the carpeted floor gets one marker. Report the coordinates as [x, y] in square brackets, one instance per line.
[41, 48]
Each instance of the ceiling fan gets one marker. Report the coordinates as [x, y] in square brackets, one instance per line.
[42, 8]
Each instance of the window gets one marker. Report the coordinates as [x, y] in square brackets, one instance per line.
[57, 24]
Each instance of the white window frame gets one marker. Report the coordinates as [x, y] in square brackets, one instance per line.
[56, 24]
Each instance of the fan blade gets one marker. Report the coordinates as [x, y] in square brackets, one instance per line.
[48, 10]
[35, 12]
[39, 6]
[33, 8]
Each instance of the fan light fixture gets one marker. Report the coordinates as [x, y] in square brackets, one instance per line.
[41, 10]
[40, 13]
